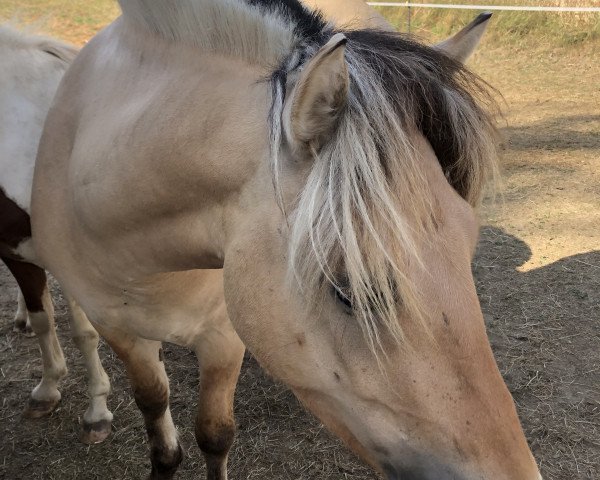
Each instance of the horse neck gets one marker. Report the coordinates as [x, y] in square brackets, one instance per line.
[187, 129]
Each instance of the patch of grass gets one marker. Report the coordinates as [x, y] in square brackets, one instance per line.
[537, 28]
[73, 21]
[77, 21]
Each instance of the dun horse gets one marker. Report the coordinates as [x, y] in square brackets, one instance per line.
[31, 70]
[331, 174]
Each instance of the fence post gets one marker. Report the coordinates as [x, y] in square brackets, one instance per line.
[409, 15]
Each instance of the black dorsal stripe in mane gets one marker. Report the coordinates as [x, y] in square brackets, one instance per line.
[367, 205]
[419, 79]
[308, 24]
[412, 72]
[427, 89]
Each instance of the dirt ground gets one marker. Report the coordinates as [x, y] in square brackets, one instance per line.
[537, 271]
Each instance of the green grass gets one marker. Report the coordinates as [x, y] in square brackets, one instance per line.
[537, 28]
[77, 20]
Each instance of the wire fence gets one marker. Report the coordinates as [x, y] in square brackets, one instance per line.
[409, 5]
[508, 8]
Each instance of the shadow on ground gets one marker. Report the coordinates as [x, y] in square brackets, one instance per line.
[544, 325]
[572, 132]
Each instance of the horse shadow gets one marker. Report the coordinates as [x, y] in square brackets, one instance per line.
[570, 132]
[544, 326]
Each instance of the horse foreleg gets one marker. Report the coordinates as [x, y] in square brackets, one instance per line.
[145, 368]
[220, 356]
[97, 418]
[32, 282]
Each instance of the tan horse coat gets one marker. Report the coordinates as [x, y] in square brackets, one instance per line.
[154, 183]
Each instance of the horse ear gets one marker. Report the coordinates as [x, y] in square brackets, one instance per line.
[463, 44]
[319, 96]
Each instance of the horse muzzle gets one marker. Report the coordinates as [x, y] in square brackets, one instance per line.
[428, 471]
[421, 472]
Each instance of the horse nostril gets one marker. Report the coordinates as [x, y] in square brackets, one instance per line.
[425, 469]
[390, 472]
[403, 473]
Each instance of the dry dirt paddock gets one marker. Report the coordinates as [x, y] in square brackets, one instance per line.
[538, 275]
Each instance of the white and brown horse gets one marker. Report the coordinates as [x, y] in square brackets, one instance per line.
[332, 175]
[31, 71]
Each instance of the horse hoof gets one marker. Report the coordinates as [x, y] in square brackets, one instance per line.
[95, 432]
[40, 408]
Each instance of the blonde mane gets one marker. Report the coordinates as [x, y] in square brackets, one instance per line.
[228, 27]
[365, 206]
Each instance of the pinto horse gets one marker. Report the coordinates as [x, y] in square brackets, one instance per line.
[332, 175]
[31, 70]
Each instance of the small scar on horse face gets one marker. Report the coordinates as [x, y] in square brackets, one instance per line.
[381, 450]
[445, 318]
[435, 223]
[337, 376]
[161, 355]
[301, 339]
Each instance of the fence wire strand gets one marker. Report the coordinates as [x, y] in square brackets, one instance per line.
[508, 8]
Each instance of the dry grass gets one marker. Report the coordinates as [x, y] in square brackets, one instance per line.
[73, 21]
[545, 332]
[533, 28]
[77, 21]
[277, 439]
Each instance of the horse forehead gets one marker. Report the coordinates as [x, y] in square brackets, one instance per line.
[455, 221]
[442, 191]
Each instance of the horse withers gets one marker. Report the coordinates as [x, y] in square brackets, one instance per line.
[331, 173]
[32, 67]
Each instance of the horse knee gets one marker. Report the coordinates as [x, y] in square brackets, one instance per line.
[152, 400]
[215, 437]
[40, 322]
[86, 339]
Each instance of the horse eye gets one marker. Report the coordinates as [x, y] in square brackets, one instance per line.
[343, 297]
